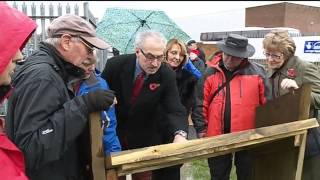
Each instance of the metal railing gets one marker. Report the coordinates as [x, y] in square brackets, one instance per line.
[43, 14]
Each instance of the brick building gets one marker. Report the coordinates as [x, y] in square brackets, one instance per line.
[302, 17]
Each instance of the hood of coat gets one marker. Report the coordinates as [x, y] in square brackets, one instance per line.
[16, 29]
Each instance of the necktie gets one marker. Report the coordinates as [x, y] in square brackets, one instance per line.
[137, 87]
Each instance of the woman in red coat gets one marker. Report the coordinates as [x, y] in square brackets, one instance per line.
[16, 29]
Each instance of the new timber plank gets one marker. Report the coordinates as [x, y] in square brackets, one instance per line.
[170, 154]
[97, 156]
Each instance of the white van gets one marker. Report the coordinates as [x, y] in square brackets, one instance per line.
[307, 47]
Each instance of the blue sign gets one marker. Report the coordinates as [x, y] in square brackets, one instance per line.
[312, 47]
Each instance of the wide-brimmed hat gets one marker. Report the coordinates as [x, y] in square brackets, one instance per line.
[236, 45]
[76, 26]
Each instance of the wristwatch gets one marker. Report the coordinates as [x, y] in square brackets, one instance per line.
[181, 133]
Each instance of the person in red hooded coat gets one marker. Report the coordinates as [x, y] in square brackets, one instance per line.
[16, 29]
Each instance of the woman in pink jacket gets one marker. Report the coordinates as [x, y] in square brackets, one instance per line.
[16, 29]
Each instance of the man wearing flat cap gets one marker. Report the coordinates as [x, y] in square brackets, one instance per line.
[45, 118]
[228, 95]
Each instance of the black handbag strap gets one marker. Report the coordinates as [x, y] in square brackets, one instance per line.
[220, 88]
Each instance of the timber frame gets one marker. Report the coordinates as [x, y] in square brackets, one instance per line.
[277, 149]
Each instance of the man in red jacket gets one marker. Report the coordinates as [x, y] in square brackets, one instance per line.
[13, 24]
[230, 91]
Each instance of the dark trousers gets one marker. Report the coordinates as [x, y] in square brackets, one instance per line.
[220, 166]
[168, 173]
[147, 175]
[311, 168]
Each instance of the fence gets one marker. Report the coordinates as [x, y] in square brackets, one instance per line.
[44, 14]
[276, 146]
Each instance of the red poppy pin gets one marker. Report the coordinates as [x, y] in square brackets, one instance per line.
[291, 73]
[154, 86]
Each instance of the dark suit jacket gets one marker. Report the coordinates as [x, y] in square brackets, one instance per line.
[139, 122]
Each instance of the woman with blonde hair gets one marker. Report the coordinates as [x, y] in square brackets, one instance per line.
[177, 59]
[287, 71]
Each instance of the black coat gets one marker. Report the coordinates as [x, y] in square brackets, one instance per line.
[186, 83]
[202, 55]
[44, 120]
[139, 122]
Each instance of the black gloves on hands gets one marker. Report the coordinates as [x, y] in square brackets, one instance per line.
[99, 100]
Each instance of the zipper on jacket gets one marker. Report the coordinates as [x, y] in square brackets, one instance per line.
[223, 92]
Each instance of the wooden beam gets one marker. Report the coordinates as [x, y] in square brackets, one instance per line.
[305, 101]
[284, 158]
[154, 157]
[303, 140]
[97, 155]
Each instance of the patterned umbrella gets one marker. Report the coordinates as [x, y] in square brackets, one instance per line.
[119, 27]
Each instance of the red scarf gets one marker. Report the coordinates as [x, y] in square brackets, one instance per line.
[196, 51]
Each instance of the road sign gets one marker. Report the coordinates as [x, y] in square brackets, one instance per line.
[312, 47]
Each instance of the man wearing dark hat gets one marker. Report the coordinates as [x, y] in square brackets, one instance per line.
[229, 93]
[45, 119]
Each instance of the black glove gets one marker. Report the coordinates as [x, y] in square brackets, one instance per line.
[99, 100]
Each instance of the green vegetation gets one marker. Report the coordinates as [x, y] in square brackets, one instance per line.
[200, 170]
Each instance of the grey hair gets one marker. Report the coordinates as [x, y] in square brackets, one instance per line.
[55, 41]
[142, 36]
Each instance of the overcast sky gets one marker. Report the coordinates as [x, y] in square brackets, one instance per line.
[193, 17]
[184, 8]
[174, 9]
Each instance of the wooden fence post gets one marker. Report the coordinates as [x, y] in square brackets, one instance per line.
[97, 154]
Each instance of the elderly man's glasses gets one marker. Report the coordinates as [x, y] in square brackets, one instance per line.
[273, 56]
[88, 63]
[90, 48]
[151, 57]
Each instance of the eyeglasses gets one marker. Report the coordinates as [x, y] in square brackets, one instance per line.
[151, 57]
[88, 63]
[273, 56]
[90, 48]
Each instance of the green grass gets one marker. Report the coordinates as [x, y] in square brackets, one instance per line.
[200, 170]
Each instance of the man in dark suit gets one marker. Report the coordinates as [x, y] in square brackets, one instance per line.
[138, 110]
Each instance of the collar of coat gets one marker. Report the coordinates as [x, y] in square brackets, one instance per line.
[284, 68]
